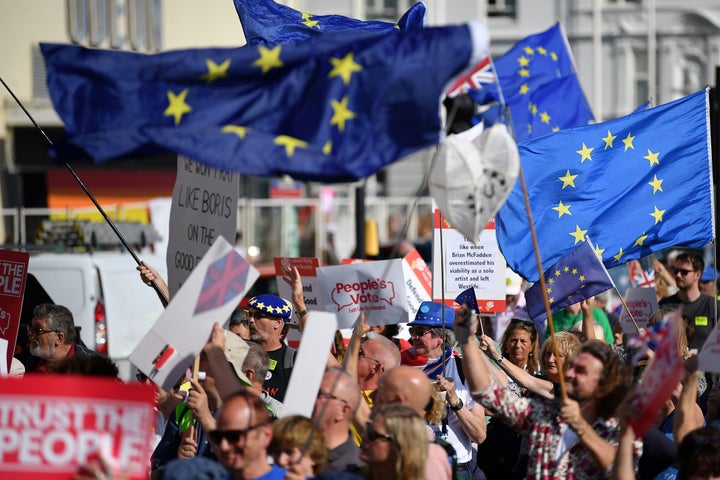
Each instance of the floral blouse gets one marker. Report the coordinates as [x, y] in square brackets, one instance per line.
[540, 419]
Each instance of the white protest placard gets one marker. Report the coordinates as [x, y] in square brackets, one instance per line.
[204, 207]
[709, 355]
[310, 364]
[642, 302]
[376, 289]
[465, 264]
[210, 294]
[418, 281]
[307, 268]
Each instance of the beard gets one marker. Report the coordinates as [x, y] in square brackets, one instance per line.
[42, 352]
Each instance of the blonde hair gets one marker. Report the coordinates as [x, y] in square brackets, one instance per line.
[567, 343]
[405, 427]
[293, 432]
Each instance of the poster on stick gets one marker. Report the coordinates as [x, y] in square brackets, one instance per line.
[13, 276]
[642, 302]
[464, 264]
[51, 425]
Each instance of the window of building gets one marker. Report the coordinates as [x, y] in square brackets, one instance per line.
[641, 90]
[501, 8]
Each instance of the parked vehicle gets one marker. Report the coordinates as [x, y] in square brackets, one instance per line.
[111, 306]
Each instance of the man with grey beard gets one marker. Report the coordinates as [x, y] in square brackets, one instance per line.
[52, 338]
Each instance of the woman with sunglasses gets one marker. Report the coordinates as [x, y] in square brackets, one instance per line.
[390, 445]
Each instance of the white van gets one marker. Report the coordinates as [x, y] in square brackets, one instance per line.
[109, 303]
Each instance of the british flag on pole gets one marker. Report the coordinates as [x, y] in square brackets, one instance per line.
[477, 78]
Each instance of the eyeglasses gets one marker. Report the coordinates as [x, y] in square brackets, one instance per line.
[256, 314]
[37, 331]
[681, 271]
[418, 332]
[330, 396]
[364, 355]
[232, 436]
[371, 434]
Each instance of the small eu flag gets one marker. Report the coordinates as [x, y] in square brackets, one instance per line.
[576, 277]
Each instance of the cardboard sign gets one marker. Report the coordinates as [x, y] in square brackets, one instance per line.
[642, 303]
[209, 295]
[13, 274]
[317, 338]
[465, 264]
[51, 425]
[307, 268]
[374, 288]
[204, 207]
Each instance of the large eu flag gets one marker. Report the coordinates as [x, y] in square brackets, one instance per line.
[539, 84]
[266, 22]
[577, 276]
[330, 109]
[634, 185]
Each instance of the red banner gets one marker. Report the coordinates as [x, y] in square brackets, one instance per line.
[51, 425]
[13, 274]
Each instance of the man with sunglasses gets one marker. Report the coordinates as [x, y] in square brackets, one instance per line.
[698, 308]
[242, 437]
[432, 352]
[268, 316]
[52, 338]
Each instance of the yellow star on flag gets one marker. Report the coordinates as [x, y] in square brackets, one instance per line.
[619, 255]
[236, 129]
[523, 61]
[216, 71]
[177, 106]
[574, 271]
[652, 158]
[290, 144]
[599, 251]
[268, 58]
[533, 108]
[581, 278]
[656, 184]
[568, 180]
[524, 89]
[566, 269]
[562, 209]
[609, 140]
[657, 214]
[578, 234]
[550, 281]
[551, 300]
[557, 273]
[555, 129]
[545, 118]
[640, 240]
[308, 22]
[327, 148]
[628, 141]
[541, 50]
[344, 67]
[341, 113]
[524, 72]
[529, 50]
[585, 153]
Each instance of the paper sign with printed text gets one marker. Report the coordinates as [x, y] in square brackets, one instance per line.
[13, 276]
[642, 302]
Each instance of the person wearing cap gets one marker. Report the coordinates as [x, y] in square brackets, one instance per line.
[268, 316]
[708, 281]
[432, 342]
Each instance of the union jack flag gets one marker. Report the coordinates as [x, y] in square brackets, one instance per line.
[639, 277]
[225, 278]
[481, 75]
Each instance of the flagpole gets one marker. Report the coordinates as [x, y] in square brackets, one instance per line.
[626, 308]
[127, 246]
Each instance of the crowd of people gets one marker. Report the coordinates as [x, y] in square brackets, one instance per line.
[448, 403]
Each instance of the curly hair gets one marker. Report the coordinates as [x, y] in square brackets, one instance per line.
[614, 382]
[529, 327]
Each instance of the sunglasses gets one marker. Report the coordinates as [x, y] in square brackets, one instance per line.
[371, 434]
[681, 271]
[232, 436]
[418, 332]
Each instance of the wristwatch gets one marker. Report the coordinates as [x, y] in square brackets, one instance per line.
[302, 312]
[458, 406]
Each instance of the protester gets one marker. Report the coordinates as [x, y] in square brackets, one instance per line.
[432, 354]
[297, 447]
[708, 281]
[242, 438]
[576, 437]
[699, 308]
[52, 338]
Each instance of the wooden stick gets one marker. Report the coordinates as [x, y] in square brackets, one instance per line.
[626, 308]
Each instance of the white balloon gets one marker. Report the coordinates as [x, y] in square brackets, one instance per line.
[471, 178]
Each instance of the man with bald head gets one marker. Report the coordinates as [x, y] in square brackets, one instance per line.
[376, 356]
[337, 401]
[242, 438]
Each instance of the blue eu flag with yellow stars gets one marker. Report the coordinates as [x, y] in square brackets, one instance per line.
[634, 185]
[330, 109]
[539, 84]
[266, 22]
[577, 276]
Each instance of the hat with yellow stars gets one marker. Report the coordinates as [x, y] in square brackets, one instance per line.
[272, 305]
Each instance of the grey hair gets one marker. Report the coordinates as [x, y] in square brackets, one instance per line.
[59, 318]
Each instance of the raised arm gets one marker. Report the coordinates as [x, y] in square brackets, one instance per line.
[473, 361]
[147, 275]
[688, 415]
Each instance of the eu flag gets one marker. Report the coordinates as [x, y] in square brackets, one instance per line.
[266, 22]
[539, 84]
[577, 276]
[634, 185]
[330, 109]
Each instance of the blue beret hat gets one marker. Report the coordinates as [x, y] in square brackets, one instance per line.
[272, 305]
[431, 313]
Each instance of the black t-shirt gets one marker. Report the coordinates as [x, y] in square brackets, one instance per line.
[701, 314]
[278, 375]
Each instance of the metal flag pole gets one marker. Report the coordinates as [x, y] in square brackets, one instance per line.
[127, 246]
